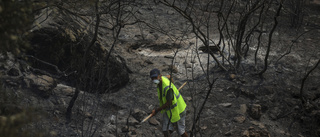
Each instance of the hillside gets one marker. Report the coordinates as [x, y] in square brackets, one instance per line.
[112, 80]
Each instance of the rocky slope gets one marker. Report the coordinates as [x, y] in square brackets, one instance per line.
[240, 104]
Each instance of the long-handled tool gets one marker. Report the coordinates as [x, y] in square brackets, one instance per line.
[145, 119]
[182, 85]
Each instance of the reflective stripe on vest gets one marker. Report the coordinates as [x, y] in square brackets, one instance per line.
[165, 90]
[172, 106]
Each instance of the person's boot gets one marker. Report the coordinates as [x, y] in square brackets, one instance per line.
[184, 134]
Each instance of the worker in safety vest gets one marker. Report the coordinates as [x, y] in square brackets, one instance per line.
[172, 105]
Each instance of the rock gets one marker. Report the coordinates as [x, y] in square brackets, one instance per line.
[169, 57]
[247, 93]
[150, 107]
[125, 129]
[220, 90]
[232, 76]
[131, 121]
[10, 61]
[274, 113]
[64, 90]
[213, 49]
[226, 104]
[88, 115]
[315, 113]
[107, 135]
[14, 72]
[170, 12]
[203, 127]
[188, 65]
[123, 112]
[259, 124]
[113, 119]
[229, 133]
[137, 126]
[42, 84]
[255, 111]
[3, 121]
[295, 93]
[243, 80]
[246, 133]
[2, 57]
[210, 112]
[239, 119]
[284, 133]
[231, 96]
[138, 114]
[12, 82]
[111, 128]
[119, 72]
[153, 121]
[53, 133]
[251, 132]
[131, 135]
[77, 132]
[265, 90]
[133, 132]
[56, 112]
[188, 98]
[170, 68]
[243, 109]
[46, 45]
[148, 61]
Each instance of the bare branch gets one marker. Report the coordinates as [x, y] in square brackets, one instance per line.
[303, 100]
[270, 39]
[292, 44]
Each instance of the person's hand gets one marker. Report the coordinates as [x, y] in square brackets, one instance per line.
[153, 113]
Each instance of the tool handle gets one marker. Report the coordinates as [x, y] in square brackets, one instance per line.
[145, 119]
[182, 85]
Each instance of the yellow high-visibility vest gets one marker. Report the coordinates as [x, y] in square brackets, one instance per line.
[178, 105]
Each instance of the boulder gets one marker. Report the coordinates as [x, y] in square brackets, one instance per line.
[100, 75]
[64, 90]
[41, 84]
